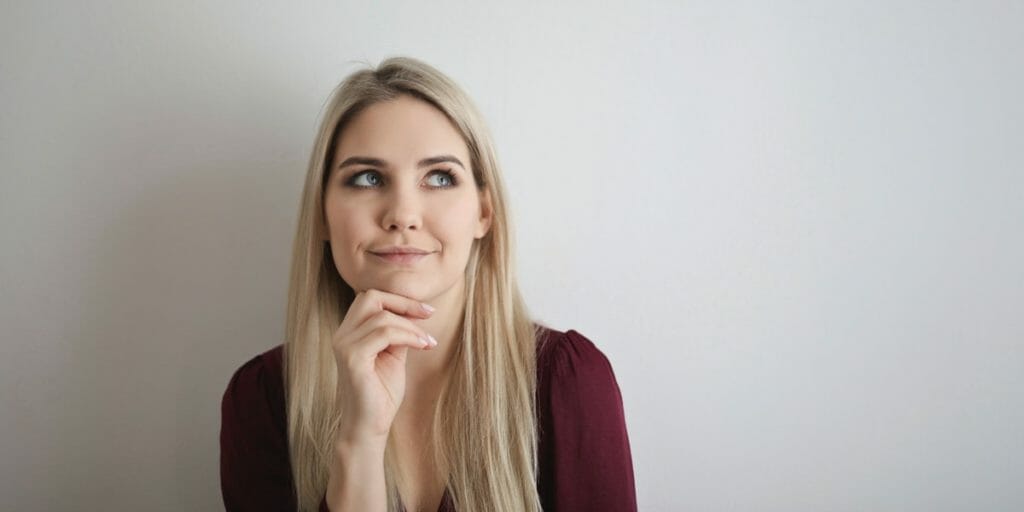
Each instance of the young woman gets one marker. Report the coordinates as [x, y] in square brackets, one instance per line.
[412, 376]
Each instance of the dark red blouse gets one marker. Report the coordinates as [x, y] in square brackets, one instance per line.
[584, 461]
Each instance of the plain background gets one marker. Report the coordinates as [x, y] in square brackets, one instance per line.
[795, 229]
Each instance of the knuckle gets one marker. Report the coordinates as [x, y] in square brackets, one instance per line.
[376, 320]
[390, 331]
[374, 296]
[362, 300]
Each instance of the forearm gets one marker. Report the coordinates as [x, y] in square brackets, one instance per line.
[356, 480]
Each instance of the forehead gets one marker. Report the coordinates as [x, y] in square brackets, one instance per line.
[400, 131]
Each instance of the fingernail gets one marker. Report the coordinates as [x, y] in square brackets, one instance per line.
[432, 340]
[427, 307]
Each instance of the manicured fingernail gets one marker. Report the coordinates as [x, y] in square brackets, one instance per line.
[432, 340]
[427, 307]
[424, 341]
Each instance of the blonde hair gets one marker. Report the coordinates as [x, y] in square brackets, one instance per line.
[484, 435]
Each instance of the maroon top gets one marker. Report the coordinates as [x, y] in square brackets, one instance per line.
[583, 448]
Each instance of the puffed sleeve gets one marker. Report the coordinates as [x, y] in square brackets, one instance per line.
[584, 455]
[255, 472]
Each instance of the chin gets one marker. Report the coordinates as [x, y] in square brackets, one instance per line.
[405, 288]
[423, 289]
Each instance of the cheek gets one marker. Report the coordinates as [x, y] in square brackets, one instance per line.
[347, 238]
[456, 222]
[347, 225]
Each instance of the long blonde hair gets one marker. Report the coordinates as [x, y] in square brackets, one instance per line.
[484, 435]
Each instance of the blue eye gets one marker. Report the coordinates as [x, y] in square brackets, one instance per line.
[354, 179]
[373, 179]
[448, 179]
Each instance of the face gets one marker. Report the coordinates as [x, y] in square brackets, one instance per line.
[401, 177]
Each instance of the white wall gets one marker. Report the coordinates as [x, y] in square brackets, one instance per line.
[794, 228]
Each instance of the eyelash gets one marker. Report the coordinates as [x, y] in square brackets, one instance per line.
[445, 172]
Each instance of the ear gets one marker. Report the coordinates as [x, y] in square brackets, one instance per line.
[486, 214]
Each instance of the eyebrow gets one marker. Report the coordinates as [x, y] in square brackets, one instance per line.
[377, 162]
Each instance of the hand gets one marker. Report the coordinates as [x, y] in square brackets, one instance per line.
[370, 349]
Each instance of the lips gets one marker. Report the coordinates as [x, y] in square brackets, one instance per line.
[399, 250]
[400, 258]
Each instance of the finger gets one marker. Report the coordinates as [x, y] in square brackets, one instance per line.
[373, 300]
[389, 319]
[365, 343]
[386, 336]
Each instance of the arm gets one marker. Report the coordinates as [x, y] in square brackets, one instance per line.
[586, 463]
[357, 478]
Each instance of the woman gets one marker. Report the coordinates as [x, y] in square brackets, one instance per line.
[412, 376]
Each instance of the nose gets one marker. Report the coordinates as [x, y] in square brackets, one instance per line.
[402, 211]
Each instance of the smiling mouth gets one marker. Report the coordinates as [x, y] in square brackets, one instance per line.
[401, 258]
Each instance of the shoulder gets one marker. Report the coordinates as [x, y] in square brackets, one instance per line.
[257, 386]
[584, 458]
[263, 366]
[579, 401]
[571, 355]
[255, 469]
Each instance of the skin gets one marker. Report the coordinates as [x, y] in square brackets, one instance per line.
[408, 205]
